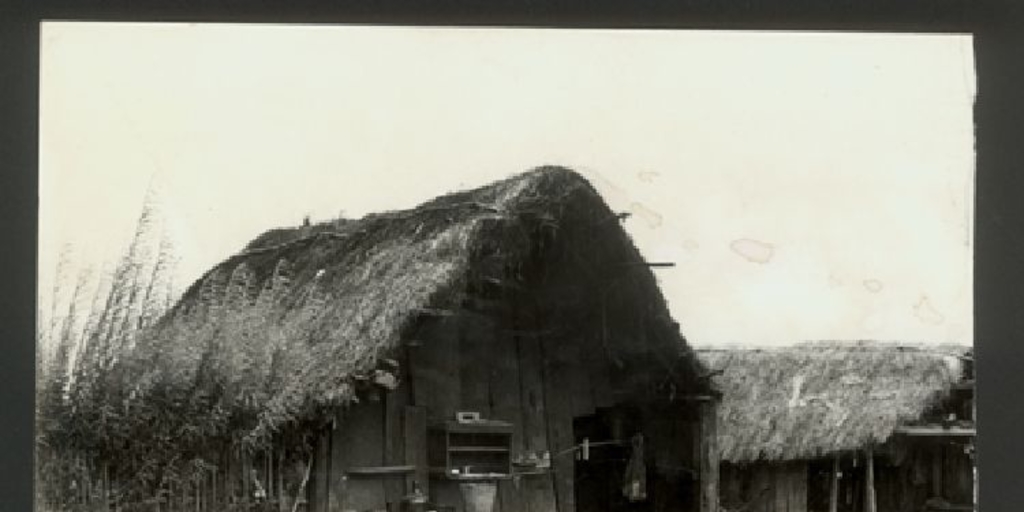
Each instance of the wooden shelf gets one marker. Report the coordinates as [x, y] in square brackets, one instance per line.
[478, 449]
[484, 447]
[473, 427]
[533, 472]
[371, 471]
[469, 477]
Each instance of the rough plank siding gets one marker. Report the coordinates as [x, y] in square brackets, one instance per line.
[800, 479]
[447, 492]
[580, 389]
[320, 474]
[507, 406]
[708, 456]
[594, 359]
[359, 441]
[775, 487]
[434, 368]
[476, 341]
[394, 444]
[415, 427]
[780, 490]
[339, 461]
[537, 491]
[557, 375]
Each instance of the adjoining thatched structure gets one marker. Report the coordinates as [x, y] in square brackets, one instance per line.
[524, 300]
[814, 400]
[784, 407]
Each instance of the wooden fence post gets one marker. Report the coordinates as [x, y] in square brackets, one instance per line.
[833, 492]
[870, 487]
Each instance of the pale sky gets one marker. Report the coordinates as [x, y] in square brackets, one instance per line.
[807, 186]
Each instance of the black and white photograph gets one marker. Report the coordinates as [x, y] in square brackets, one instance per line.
[370, 268]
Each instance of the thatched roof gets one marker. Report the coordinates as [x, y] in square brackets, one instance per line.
[349, 290]
[811, 400]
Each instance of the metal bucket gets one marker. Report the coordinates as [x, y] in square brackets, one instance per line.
[478, 496]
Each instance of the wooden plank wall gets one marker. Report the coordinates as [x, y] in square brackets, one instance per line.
[499, 361]
[780, 487]
[538, 491]
[557, 375]
[434, 363]
[506, 403]
[384, 431]
[359, 442]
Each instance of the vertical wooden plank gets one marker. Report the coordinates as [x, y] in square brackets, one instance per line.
[506, 406]
[558, 402]
[434, 368]
[708, 474]
[476, 334]
[446, 493]
[936, 452]
[415, 428]
[282, 497]
[870, 503]
[580, 390]
[537, 491]
[394, 443]
[594, 359]
[801, 475]
[833, 493]
[762, 488]
[780, 487]
[731, 489]
[243, 474]
[324, 471]
[360, 444]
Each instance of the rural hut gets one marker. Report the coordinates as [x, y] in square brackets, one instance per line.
[505, 348]
[845, 427]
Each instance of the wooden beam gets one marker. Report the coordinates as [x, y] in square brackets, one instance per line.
[833, 492]
[650, 264]
[936, 431]
[869, 487]
[708, 455]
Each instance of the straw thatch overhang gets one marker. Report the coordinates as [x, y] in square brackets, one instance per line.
[816, 399]
[357, 290]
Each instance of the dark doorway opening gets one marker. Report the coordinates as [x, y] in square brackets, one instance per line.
[600, 472]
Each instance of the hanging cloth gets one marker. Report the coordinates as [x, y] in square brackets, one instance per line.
[635, 486]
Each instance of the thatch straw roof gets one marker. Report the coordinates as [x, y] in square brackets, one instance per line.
[811, 400]
[352, 288]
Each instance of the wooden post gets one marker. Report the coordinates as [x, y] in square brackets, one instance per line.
[415, 432]
[245, 465]
[280, 481]
[708, 433]
[213, 490]
[302, 486]
[869, 497]
[106, 487]
[833, 493]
